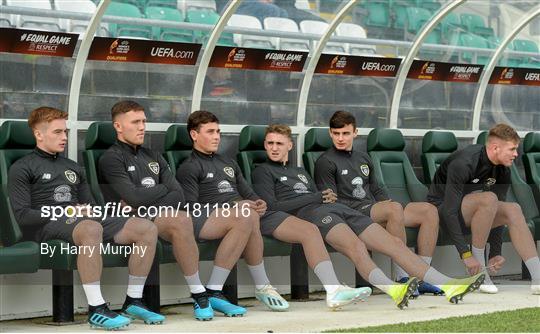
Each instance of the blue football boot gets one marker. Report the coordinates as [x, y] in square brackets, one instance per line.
[135, 309]
[202, 310]
[425, 287]
[220, 303]
[101, 317]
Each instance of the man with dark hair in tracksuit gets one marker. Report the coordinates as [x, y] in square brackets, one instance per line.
[349, 172]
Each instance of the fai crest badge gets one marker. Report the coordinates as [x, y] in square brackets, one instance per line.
[154, 167]
[71, 176]
[364, 169]
[303, 178]
[229, 171]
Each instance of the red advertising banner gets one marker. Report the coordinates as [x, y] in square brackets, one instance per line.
[356, 65]
[433, 70]
[515, 76]
[36, 42]
[143, 51]
[258, 59]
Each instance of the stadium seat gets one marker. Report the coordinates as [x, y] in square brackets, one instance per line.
[394, 171]
[523, 45]
[316, 142]
[474, 41]
[475, 24]
[378, 14]
[436, 147]
[168, 34]
[531, 162]
[184, 5]
[245, 40]
[34, 22]
[416, 18]
[127, 30]
[451, 26]
[318, 28]
[431, 5]
[356, 31]
[78, 26]
[288, 25]
[251, 149]
[209, 17]
[16, 256]
[162, 3]
[398, 10]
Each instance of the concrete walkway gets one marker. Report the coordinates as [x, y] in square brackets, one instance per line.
[313, 316]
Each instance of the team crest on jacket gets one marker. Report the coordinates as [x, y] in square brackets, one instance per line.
[229, 171]
[491, 181]
[364, 169]
[154, 167]
[303, 178]
[71, 176]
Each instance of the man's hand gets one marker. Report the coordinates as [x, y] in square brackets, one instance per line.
[495, 264]
[473, 266]
[329, 196]
[84, 209]
[260, 207]
[124, 204]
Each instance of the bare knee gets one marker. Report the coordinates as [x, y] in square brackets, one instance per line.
[180, 229]
[88, 232]
[396, 214]
[245, 223]
[430, 214]
[144, 230]
[487, 200]
[310, 232]
[513, 213]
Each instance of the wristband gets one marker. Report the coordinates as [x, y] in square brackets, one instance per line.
[466, 255]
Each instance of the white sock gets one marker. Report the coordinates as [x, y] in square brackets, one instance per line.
[93, 293]
[427, 259]
[258, 273]
[480, 256]
[380, 280]
[194, 283]
[135, 286]
[434, 277]
[400, 273]
[326, 274]
[217, 278]
[533, 264]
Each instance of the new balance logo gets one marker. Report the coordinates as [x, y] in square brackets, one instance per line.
[209, 175]
[475, 180]
[283, 178]
[345, 172]
[131, 168]
[46, 176]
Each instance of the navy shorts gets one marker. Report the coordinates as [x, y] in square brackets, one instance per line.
[63, 227]
[326, 216]
[271, 220]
